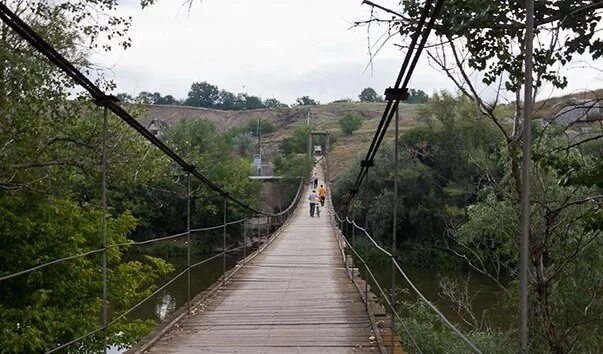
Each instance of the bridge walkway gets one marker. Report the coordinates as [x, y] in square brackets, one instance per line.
[294, 297]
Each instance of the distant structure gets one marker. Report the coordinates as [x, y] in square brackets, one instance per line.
[261, 167]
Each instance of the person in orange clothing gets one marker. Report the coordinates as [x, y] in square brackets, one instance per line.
[322, 194]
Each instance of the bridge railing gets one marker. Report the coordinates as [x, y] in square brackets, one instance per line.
[265, 222]
[263, 228]
[339, 223]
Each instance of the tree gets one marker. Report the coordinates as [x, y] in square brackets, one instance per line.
[274, 103]
[49, 188]
[253, 102]
[350, 123]
[369, 95]
[266, 127]
[417, 96]
[306, 101]
[166, 100]
[229, 101]
[473, 42]
[298, 142]
[203, 94]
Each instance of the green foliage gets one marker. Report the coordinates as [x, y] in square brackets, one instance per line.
[369, 95]
[417, 96]
[298, 142]
[495, 49]
[62, 301]
[432, 336]
[439, 161]
[200, 143]
[350, 123]
[149, 98]
[251, 127]
[306, 101]
[202, 94]
[50, 188]
[274, 103]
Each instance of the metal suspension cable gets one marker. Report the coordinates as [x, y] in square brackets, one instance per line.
[60, 260]
[124, 314]
[43, 265]
[416, 290]
[102, 99]
[392, 104]
[398, 80]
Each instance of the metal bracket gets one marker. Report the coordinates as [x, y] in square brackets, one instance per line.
[396, 94]
[106, 100]
[189, 168]
[367, 163]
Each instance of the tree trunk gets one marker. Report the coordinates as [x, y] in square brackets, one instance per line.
[542, 303]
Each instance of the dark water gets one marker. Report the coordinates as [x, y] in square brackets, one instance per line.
[486, 297]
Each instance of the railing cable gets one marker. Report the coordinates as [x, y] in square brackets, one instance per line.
[412, 285]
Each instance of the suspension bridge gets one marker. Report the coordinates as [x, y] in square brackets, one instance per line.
[306, 289]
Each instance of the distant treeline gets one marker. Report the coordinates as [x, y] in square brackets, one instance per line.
[204, 94]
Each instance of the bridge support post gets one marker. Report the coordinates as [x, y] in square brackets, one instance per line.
[245, 238]
[366, 224]
[267, 229]
[353, 239]
[104, 225]
[259, 226]
[188, 243]
[224, 242]
[394, 227]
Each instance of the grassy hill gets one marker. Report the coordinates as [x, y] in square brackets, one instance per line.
[324, 117]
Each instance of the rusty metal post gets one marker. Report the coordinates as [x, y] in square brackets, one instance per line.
[224, 242]
[259, 228]
[394, 227]
[353, 239]
[188, 243]
[245, 238]
[104, 226]
[366, 224]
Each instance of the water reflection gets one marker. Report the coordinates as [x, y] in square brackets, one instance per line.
[165, 306]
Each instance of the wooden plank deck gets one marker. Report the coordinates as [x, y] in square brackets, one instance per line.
[294, 297]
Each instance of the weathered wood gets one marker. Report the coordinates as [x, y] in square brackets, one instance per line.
[295, 297]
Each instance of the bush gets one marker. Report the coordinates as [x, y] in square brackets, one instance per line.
[350, 123]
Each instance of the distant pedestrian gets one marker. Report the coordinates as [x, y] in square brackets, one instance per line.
[315, 181]
[322, 194]
[313, 199]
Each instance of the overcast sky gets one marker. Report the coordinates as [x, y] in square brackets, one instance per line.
[270, 48]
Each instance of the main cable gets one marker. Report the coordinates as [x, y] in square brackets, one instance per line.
[392, 104]
[102, 99]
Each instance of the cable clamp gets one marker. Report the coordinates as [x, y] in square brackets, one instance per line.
[396, 94]
[105, 100]
[367, 163]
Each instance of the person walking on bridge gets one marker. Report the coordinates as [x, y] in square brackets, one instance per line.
[322, 194]
[313, 198]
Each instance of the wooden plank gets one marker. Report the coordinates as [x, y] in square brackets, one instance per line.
[295, 297]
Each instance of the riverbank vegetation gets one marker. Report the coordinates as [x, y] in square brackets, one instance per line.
[459, 210]
[51, 196]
